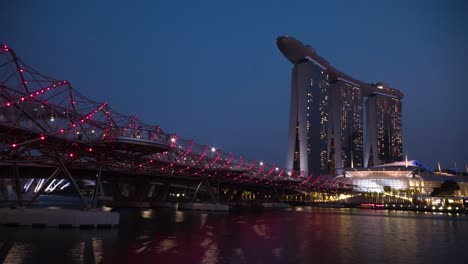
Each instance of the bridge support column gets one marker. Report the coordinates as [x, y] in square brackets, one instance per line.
[19, 187]
[151, 191]
[141, 191]
[154, 192]
[96, 186]
[214, 198]
[208, 188]
[4, 192]
[116, 191]
[276, 197]
[195, 193]
[72, 181]
[165, 191]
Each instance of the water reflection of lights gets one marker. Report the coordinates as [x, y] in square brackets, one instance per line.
[166, 245]
[143, 247]
[147, 213]
[17, 252]
[78, 252]
[261, 230]
[98, 250]
[277, 252]
[179, 216]
[210, 245]
[143, 237]
[211, 254]
[203, 218]
[239, 252]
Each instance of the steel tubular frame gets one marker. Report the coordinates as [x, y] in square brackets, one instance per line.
[44, 118]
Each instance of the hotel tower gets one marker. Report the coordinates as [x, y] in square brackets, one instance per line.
[337, 121]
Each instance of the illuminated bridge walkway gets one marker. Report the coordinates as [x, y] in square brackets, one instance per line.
[52, 138]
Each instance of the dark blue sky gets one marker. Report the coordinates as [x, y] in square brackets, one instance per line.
[211, 71]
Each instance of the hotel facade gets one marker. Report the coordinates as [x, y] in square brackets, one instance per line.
[337, 121]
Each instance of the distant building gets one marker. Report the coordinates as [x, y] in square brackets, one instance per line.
[346, 116]
[308, 121]
[335, 120]
[384, 133]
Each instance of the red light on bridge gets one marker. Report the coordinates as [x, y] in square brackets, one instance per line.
[42, 137]
[71, 155]
[8, 104]
[90, 149]
[13, 145]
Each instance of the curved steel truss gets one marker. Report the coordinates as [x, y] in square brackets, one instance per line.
[43, 119]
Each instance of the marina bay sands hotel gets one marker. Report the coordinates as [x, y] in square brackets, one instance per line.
[337, 121]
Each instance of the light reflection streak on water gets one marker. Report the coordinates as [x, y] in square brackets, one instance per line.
[97, 250]
[210, 245]
[240, 253]
[78, 252]
[166, 245]
[277, 252]
[143, 247]
[18, 252]
[203, 218]
[179, 216]
[147, 213]
[261, 229]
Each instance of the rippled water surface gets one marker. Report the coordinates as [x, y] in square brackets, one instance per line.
[297, 235]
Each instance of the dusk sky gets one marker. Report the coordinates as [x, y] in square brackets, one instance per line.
[211, 70]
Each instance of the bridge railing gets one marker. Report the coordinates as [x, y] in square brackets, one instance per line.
[138, 134]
